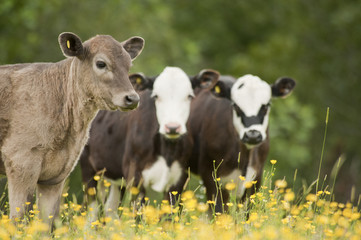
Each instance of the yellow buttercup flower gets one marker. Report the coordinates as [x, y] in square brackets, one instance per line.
[134, 190]
[281, 183]
[230, 186]
[248, 184]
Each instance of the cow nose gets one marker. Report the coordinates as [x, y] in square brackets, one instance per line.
[131, 101]
[172, 128]
[252, 137]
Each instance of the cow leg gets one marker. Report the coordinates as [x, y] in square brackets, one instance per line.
[113, 201]
[90, 185]
[213, 191]
[22, 172]
[178, 188]
[20, 193]
[48, 200]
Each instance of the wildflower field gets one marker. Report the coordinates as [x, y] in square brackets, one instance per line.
[274, 212]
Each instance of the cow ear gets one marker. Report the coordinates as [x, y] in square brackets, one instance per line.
[205, 79]
[140, 82]
[71, 45]
[133, 46]
[283, 87]
[222, 90]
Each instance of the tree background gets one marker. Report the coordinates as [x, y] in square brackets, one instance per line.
[315, 42]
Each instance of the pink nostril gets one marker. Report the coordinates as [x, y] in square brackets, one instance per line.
[172, 128]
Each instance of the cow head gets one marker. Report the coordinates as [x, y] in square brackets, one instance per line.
[172, 92]
[100, 66]
[251, 101]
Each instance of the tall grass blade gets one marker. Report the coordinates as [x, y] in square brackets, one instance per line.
[323, 148]
[334, 173]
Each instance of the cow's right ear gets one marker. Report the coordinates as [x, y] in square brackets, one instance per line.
[71, 45]
[140, 82]
[221, 90]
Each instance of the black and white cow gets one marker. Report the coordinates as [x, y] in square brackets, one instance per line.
[233, 125]
[148, 145]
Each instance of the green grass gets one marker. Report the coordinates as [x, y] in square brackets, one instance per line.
[274, 212]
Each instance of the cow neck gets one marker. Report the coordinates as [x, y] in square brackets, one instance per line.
[170, 149]
[73, 110]
[80, 107]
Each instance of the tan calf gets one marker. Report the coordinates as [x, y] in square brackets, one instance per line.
[46, 110]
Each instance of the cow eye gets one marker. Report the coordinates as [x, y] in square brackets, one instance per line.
[155, 97]
[100, 64]
[264, 108]
[239, 112]
[190, 97]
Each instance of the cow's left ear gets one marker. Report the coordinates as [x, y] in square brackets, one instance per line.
[140, 82]
[133, 46]
[283, 87]
[206, 78]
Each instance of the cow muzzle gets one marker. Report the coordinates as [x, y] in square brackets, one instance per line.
[127, 102]
[131, 101]
[173, 130]
[252, 137]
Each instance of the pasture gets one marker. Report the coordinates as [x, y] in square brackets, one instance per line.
[276, 211]
[301, 195]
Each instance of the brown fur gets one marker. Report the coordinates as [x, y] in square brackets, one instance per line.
[46, 110]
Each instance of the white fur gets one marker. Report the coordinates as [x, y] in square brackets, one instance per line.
[249, 98]
[160, 177]
[172, 89]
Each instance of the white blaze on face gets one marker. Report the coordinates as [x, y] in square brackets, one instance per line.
[173, 93]
[251, 95]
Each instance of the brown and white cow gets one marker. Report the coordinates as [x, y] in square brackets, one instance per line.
[46, 110]
[149, 144]
[231, 125]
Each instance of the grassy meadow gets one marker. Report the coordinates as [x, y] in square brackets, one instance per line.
[276, 211]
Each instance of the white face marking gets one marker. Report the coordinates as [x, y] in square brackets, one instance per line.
[173, 92]
[160, 177]
[250, 93]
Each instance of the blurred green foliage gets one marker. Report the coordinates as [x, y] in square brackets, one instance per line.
[315, 42]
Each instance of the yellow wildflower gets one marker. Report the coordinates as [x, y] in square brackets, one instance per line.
[311, 197]
[92, 191]
[248, 184]
[230, 186]
[134, 190]
[187, 195]
[281, 183]
[290, 196]
[108, 184]
[202, 207]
